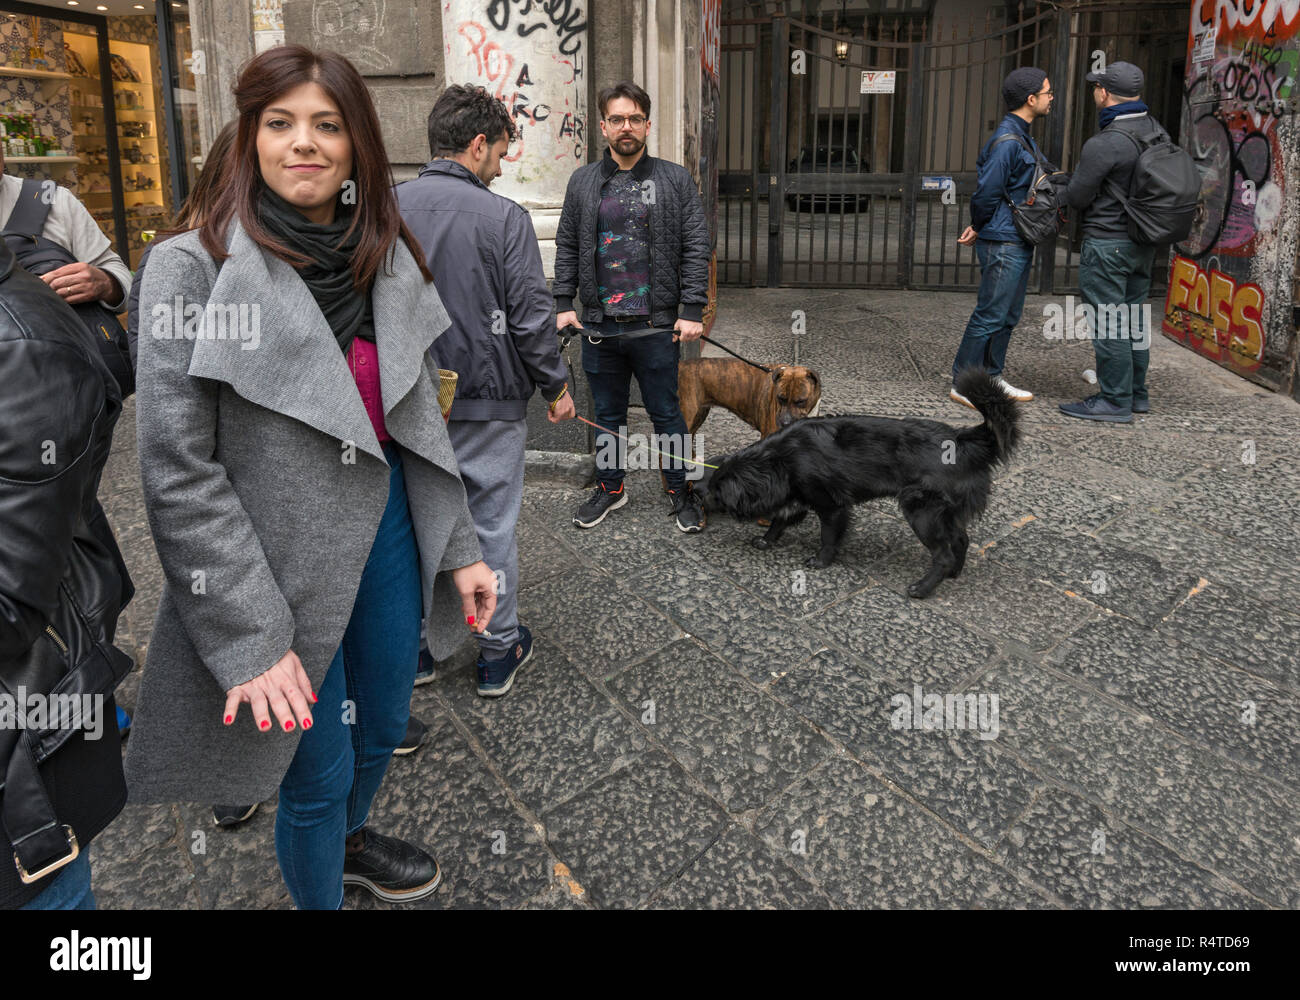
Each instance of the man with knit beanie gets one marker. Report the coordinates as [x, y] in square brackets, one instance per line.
[1006, 167]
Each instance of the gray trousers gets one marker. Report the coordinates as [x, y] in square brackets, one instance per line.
[490, 454]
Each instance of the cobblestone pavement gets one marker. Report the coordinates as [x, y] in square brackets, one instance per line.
[699, 729]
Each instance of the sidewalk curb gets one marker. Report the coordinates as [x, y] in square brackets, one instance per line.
[559, 467]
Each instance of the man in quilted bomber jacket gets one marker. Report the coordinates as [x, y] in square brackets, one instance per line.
[632, 254]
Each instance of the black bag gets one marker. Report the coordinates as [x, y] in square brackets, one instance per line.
[38, 255]
[1164, 194]
[1041, 217]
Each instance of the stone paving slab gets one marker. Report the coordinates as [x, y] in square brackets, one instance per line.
[1089, 859]
[867, 846]
[1248, 720]
[959, 777]
[1187, 797]
[1120, 708]
[743, 746]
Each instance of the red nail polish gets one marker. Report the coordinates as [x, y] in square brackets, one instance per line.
[288, 725]
[229, 719]
[314, 699]
[266, 724]
[469, 619]
[306, 723]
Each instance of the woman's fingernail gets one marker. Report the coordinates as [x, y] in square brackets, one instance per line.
[288, 725]
[306, 723]
[266, 724]
[229, 719]
[469, 619]
[313, 697]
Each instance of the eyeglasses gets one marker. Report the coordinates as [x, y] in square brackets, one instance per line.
[617, 121]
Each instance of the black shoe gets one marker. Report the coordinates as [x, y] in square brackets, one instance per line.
[392, 869]
[416, 731]
[600, 503]
[1141, 405]
[426, 671]
[232, 815]
[688, 509]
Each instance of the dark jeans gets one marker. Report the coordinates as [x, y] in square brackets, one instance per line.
[1004, 276]
[360, 714]
[1118, 273]
[610, 365]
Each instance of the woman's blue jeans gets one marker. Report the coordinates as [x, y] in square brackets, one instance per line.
[1004, 277]
[360, 714]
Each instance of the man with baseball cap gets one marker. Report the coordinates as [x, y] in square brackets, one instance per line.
[1006, 167]
[1114, 272]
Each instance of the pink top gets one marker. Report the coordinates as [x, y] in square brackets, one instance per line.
[363, 360]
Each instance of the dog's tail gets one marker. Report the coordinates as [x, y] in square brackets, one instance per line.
[1001, 418]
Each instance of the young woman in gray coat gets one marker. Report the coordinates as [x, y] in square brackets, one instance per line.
[303, 497]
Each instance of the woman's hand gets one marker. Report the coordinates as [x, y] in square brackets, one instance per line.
[478, 593]
[285, 688]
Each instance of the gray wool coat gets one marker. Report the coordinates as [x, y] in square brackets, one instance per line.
[264, 485]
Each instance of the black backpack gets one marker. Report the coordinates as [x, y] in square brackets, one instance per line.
[1041, 216]
[38, 255]
[1164, 194]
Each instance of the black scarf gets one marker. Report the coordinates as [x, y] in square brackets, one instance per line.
[329, 275]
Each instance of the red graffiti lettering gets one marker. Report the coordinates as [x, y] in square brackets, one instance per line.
[1215, 314]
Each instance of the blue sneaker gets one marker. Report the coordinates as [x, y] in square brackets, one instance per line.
[496, 676]
[424, 673]
[1097, 408]
[123, 722]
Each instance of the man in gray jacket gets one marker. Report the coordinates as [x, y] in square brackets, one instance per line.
[486, 265]
[1114, 272]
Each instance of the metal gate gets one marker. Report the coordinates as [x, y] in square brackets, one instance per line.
[846, 157]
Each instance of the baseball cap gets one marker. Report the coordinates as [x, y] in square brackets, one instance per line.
[1122, 79]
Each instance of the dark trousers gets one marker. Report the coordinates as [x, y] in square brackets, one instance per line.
[1004, 276]
[1117, 273]
[610, 365]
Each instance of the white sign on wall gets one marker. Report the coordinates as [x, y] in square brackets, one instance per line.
[878, 81]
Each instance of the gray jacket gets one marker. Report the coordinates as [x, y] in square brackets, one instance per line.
[1106, 162]
[483, 254]
[264, 486]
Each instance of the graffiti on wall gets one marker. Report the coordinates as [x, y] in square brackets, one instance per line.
[530, 55]
[1241, 100]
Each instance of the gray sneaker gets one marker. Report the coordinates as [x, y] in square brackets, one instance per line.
[1097, 408]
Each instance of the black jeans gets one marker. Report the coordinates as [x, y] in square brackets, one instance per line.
[610, 364]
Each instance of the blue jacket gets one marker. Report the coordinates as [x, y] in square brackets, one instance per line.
[487, 268]
[1005, 171]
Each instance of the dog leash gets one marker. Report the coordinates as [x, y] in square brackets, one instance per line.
[689, 461]
[755, 364]
[564, 346]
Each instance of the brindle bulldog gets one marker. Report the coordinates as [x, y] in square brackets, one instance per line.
[765, 402]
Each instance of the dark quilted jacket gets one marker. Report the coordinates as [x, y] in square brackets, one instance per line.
[679, 242]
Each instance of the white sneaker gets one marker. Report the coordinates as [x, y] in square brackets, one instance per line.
[1019, 395]
[957, 397]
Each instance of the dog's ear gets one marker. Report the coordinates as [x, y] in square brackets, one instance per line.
[816, 379]
[776, 373]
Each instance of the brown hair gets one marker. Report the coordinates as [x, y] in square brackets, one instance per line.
[264, 78]
[625, 88]
[212, 178]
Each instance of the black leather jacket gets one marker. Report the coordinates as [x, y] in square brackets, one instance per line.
[679, 242]
[62, 582]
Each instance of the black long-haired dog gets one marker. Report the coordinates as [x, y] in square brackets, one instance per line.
[940, 475]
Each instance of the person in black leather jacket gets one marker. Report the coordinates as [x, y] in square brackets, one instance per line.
[62, 586]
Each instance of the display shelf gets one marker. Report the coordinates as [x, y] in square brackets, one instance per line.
[43, 159]
[34, 74]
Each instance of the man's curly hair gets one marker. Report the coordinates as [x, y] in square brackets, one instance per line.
[462, 112]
